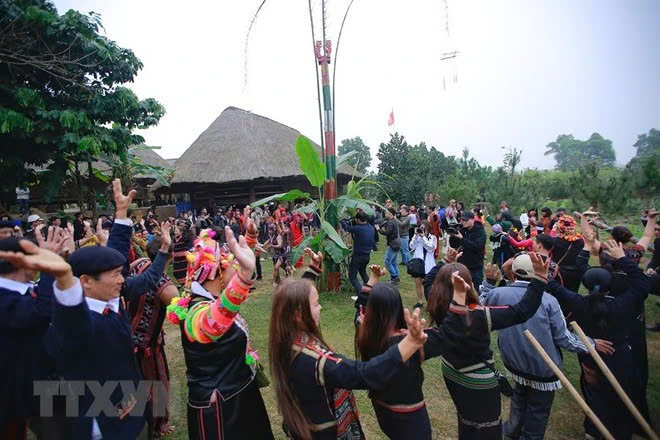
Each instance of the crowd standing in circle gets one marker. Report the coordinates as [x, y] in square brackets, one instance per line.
[98, 308]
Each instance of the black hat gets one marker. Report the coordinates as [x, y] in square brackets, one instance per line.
[11, 244]
[6, 224]
[467, 215]
[597, 277]
[93, 260]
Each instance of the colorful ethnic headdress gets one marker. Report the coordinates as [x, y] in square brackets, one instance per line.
[567, 228]
[206, 261]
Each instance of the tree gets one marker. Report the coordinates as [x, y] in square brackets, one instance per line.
[605, 189]
[62, 103]
[644, 168]
[571, 154]
[648, 144]
[361, 159]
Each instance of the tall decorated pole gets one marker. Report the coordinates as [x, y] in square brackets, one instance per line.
[323, 50]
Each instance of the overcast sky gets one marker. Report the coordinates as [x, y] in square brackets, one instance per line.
[527, 71]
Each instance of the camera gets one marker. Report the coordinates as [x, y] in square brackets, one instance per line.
[452, 230]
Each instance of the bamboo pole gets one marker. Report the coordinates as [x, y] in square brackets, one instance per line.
[615, 383]
[569, 386]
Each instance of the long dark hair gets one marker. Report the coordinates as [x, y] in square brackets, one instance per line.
[442, 291]
[383, 316]
[291, 316]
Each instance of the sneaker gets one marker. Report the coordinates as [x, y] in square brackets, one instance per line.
[252, 289]
[418, 306]
[395, 280]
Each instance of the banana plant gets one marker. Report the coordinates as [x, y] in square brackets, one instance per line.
[327, 239]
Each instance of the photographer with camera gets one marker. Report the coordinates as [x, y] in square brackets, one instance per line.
[363, 242]
[472, 237]
[423, 245]
[390, 229]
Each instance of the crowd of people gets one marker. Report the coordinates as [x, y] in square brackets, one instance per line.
[97, 311]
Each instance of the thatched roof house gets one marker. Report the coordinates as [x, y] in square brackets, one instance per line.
[240, 158]
[68, 193]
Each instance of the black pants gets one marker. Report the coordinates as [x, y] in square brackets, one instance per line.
[529, 413]
[477, 277]
[258, 266]
[357, 265]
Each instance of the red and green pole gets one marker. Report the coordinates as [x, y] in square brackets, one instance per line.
[323, 50]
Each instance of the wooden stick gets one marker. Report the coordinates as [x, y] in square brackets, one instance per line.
[571, 389]
[615, 383]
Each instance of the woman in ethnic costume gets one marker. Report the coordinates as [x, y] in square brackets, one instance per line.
[312, 382]
[224, 401]
[400, 407]
[461, 335]
[147, 314]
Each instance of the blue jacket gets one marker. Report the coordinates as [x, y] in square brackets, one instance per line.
[363, 237]
[547, 325]
[24, 320]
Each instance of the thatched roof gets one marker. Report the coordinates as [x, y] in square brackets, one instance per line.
[146, 155]
[239, 146]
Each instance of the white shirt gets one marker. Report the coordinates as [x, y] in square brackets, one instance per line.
[16, 286]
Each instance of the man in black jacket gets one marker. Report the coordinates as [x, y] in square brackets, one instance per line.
[473, 241]
[363, 242]
[391, 232]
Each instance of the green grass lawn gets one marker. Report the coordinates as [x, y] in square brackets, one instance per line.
[337, 325]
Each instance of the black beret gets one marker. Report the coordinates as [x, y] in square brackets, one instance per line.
[10, 244]
[93, 260]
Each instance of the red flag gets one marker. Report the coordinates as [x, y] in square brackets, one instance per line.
[390, 121]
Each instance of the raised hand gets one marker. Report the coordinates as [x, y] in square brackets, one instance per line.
[317, 258]
[541, 267]
[613, 249]
[165, 238]
[68, 245]
[377, 271]
[38, 259]
[53, 241]
[415, 327]
[122, 202]
[101, 234]
[452, 255]
[653, 214]
[459, 283]
[493, 272]
[604, 347]
[242, 252]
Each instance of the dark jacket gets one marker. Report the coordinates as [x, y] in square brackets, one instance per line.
[474, 246]
[95, 347]
[24, 320]
[363, 237]
[619, 311]
[391, 232]
[134, 286]
[466, 348]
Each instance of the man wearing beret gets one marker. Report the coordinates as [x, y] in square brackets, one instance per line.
[90, 337]
[24, 320]
[6, 229]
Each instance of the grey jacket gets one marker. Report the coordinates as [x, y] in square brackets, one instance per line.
[548, 326]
